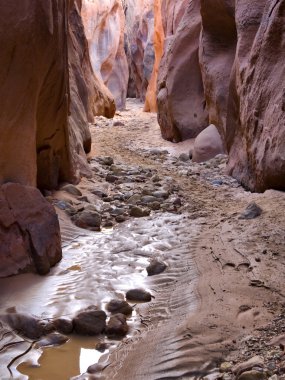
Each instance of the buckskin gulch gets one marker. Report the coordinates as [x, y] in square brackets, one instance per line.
[142, 178]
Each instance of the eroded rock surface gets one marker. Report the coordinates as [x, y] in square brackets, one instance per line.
[104, 24]
[181, 100]
[139, 45]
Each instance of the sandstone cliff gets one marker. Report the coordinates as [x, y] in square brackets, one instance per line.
[222, 64]
[48, 94]
[104, 24]
[139, 34]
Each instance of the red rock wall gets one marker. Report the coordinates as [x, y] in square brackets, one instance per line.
[181, 100]
[88, 95]
[48, 94]
[234, 82]
[104, 24]
[255, 129]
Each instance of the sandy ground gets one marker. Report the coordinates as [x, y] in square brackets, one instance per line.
[220, 300]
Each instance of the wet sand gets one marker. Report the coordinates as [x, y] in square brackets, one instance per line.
[223, 282]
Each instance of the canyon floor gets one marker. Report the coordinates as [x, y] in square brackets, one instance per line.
[220, 300]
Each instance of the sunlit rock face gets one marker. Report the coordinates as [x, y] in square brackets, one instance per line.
[139, 45]
[181, 100]
[104, 25]
[158, 43]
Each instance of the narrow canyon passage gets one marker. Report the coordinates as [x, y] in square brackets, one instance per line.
[223, 281]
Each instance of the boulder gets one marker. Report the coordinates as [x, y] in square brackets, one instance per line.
[138, 295]
[90, 322]
[118, 306]
[117, 326]
[29, 231]
[207, 145]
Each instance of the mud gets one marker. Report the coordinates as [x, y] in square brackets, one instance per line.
[216, 301]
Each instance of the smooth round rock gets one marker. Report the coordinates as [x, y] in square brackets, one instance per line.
[138, 295]
[156, 267]
[118, 306]
[90, 322]
[117, 326]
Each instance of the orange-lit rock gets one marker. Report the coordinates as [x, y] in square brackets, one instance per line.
[158, 42]
[104, 24]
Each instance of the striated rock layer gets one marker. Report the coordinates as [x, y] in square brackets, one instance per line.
[104, 24]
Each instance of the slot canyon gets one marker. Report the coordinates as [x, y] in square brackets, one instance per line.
[142, 178]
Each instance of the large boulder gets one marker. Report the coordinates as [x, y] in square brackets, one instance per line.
[29, 231]
[208, 144]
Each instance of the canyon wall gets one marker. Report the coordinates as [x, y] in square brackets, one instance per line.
[222, 65]
[48, 94]
[104, 24]
[139, 45]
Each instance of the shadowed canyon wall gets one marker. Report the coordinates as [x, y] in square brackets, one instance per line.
[222, 65]
[48, 94]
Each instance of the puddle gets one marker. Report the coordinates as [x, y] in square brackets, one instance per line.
[95, 269]
[63, 362]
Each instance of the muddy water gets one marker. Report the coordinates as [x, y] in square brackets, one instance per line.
[95, 268]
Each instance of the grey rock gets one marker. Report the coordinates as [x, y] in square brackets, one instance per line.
[90, 322]
[53, 339]
[161, 194]
[108, 161]
[96, 368]
[138, 212]
[148, 199]
[252, 375]
[138, 295]
[118, 124]
[252, 211]
[117, 326]
[99, 193]
[25, 325]
[88, 219]
[184, 157]
[71, 189]
[63, 325]
[156, 267]
[120, 218]
[111, 178]
[118, 306]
